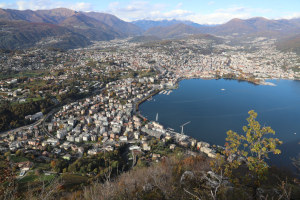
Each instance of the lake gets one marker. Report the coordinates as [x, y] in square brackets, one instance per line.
[215, 106]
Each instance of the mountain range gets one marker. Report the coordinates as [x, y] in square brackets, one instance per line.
[147, 24]
[65, 28]
[256, 26]
[71, 28]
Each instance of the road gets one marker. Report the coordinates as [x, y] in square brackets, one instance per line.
[5, 133]
[37, 123]
[44, 119]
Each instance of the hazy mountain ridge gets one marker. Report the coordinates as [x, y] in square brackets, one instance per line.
[77, 24]
[20, 34]
[257, 25]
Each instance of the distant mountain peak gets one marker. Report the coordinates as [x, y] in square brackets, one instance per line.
[259, 18]
[236, 20]
[62, 9]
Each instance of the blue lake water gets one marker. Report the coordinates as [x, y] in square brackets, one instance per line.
[213, 111]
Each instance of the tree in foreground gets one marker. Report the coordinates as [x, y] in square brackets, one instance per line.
[249, 150]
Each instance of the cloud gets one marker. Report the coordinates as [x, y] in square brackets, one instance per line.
[145, 10]
[224, 15]
[211, 3]
[7, 5]
[290, 16]
[136, 10]
[2, 5]
[216, 17]
[221, 15]
[48, 4]
[234, 9]
[179, 5]
[179, 13]
[82, 6]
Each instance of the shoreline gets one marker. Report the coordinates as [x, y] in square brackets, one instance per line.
[262, 82]
[267, 83]
[137, 105]
[257, 82]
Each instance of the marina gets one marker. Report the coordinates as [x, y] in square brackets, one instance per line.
[165, 92]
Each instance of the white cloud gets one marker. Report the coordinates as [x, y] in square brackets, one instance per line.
[179, 13]
[179, 5]
[137, 10]
[48, 4]
[216, 18]
[145, 10]
[7, 5]
[211, 3]
[290, 16]
[2, 5]
[82, 6]
[234, 9]
[221, 15]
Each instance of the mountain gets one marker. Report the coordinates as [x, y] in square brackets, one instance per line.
[295, 21]
[120, 25]
[71, 25]
[291, 43]
[75, 24]
[255, 26]
[59, 15]
[90, 27]
[147, 24]
[20, 34]
[55, 16]
[26, 15]
[173, 31]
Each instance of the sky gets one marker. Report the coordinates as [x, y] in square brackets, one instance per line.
[199, 11]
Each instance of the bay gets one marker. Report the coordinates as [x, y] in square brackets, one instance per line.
[215, 106]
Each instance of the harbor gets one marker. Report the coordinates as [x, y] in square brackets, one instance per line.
[165, 92]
